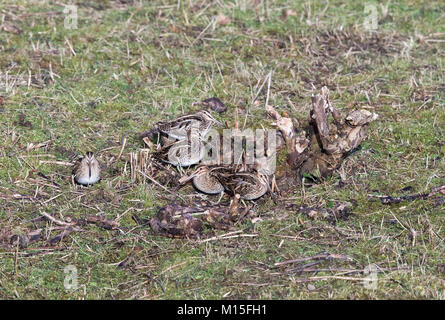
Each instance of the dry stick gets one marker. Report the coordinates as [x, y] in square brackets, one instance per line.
[172, 267]
[123, 213]
[236, 118]
[261, 87]
[54, 184]
[226, 234]
[346, 271]
[203, 31]
[229, 235]
[56, 221]
[157, 281]
[268, 88]
[124, 142]
[245, 211]
[148, 142]
[336, 277]
[16, 196]
[49, 13]
[106, 149]
[59, 238]
[256, 96]
[304, 267]
[71, 48]
[302, 280]
[160, 185]
[317, 256]
[28, 164]
[192, 214]
[389, 199]
[234, 205]
[61, 163]
[38, 155]
[51, 199]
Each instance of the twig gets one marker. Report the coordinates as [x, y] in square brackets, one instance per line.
[268, 88]
[336, 277]
[203, 31]
[56, 196]
[233, 209]
[192, 214]
[160, 185]
[261, 87]
[229, 235]
[345, 271]
[421, 195]
[123, 213]
[157, 281]
[326, 256]
[56, 221]
[124, 142]
[268, 76]
[103, 222]
[67, 231]
[74, 53]
[61, 163]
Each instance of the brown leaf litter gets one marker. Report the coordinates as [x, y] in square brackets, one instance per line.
[66, 227]
[176, 220]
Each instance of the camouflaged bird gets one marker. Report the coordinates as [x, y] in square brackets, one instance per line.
[182, 153]
[87, 170]
[179, 128]
[212, 180]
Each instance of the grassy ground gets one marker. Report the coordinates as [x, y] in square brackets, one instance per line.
[130, 63]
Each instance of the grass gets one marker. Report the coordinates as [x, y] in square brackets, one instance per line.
[130, 63]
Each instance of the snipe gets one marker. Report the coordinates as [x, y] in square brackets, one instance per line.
[87, 170]
[182, 153]
[249, 185]
[180, 127]
[206, 182]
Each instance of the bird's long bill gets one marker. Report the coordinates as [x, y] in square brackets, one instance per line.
[89, 170]
[184, 179]
[217, 122]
